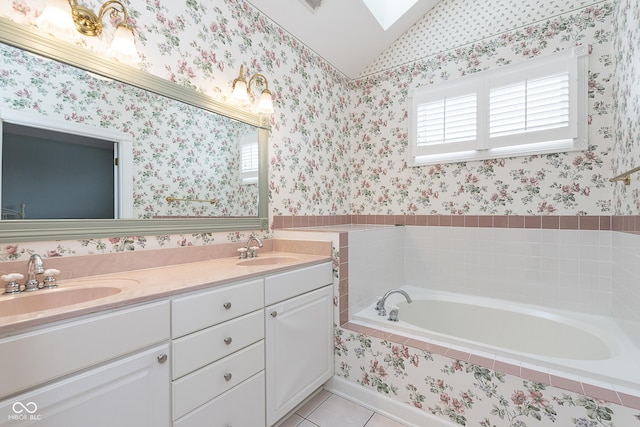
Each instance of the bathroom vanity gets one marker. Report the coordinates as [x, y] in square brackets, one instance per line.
[242, 348]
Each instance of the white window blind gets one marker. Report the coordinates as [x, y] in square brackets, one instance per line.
[449, 120]
[531, 108]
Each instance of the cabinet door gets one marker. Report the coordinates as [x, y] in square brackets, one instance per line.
[299, 349]
[134, 391]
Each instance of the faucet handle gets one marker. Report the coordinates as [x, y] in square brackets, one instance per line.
[393, 313]
[12, 286]
[50, 281]
[378, 303]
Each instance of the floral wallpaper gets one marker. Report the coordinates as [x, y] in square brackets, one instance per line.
[464, 393]
[338, 146]
[626, 45]
[451, 25]
[202, 45]
[558, 184]
[178, 150]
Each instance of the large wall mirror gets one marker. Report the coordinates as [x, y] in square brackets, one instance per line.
[181, 162]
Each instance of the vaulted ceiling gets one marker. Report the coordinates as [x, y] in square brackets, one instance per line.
[343, 32]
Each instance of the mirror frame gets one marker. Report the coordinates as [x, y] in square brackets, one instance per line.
[29, 39]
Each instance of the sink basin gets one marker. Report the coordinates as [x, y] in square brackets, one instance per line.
[266, 261]
[46, 299]
[117, 282]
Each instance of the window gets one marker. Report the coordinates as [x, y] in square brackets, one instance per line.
[249, 159]
[536, 107]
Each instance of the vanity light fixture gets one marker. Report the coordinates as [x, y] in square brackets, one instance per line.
[60, 17]
[242, 92]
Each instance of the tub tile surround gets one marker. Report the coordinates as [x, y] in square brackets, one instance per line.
[596, 233]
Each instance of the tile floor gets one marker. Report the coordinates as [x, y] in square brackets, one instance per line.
[326, 409]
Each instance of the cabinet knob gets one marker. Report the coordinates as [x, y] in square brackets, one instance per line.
[274, 313]
[227, 340]
[227, 305]
[162, 358]
[227, 376]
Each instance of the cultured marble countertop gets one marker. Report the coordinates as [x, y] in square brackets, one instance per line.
[144, 285]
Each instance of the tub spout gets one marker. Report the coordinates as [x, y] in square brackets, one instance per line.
[380, 304]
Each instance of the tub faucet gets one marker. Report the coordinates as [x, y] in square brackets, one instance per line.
[34, 266]
[380, 304]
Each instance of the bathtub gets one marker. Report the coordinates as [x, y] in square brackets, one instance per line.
[585, 346]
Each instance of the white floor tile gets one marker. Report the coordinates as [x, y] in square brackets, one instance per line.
[381, 421]
[313, 403]
[336, 411]
[293, 421]
[307, 423]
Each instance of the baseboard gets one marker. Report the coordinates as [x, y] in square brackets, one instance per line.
[397, 411]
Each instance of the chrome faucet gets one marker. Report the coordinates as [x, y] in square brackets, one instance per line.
[252, 251]
[35, 266]
[380, 304]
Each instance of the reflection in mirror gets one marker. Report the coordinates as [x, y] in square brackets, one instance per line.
[183, 158]
[48, 174]
[79, 100]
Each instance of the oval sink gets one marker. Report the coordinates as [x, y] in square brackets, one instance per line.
[266, 261]
[46, 299]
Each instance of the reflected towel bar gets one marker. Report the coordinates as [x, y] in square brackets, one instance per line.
[173, 199]
[625, 177]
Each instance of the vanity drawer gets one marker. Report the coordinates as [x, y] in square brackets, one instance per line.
[230, 408]
[280, 287]
[199, 387]
[196, 350]
[48, 353]
[203, 309]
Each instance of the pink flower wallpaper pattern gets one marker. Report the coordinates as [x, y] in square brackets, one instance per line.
[464, 393]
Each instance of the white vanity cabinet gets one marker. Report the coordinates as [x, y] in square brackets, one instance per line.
[214, 357]
[103, 370]
[218, 356]
[299, 336]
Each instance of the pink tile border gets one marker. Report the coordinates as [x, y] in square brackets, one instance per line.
[628, 224]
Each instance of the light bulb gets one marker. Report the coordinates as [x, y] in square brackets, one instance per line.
[239, 94]
[123, 45]
[265, 104]
[56, 19]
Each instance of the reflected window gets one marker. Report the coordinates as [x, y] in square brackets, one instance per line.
[249, 159]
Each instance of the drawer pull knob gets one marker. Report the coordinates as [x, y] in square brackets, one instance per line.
[227, 305]
[227, 340]
[274, 313]
[162, 358]
[227, 376]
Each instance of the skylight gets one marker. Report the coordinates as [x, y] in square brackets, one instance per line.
[387, 12]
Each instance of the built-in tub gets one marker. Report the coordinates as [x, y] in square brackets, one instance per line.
[591, 347]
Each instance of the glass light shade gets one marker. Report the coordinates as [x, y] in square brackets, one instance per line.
[123, 46]
[239, 94]
[56, 19]
[265, 104]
